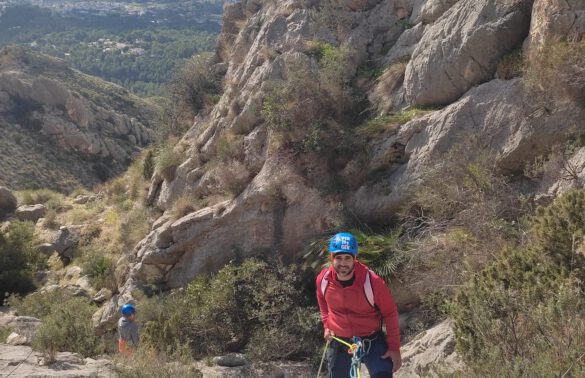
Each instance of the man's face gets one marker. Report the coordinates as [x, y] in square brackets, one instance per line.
[343, 264]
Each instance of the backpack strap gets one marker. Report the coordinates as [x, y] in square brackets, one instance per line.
[368, 291]
[325, 282]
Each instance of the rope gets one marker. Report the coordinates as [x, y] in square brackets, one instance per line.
[20, 363]
[323, 357]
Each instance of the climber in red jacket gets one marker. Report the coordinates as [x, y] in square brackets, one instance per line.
[354, 302]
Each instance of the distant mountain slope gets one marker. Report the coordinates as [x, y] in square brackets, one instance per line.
[60, 128]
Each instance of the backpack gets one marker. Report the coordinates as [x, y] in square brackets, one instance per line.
[368, 291]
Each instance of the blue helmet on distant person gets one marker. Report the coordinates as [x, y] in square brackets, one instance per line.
[343, 243]
[128, 309]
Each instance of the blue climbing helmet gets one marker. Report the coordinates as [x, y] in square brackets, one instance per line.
[128, 309]
[343, 243]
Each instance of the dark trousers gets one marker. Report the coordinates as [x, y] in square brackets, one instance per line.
[339, 361]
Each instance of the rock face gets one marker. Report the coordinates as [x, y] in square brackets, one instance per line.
[430, 353]
[21, 362]
[278, 197]
[463, 48]
[502, 114]
[56, 129]
[280, 204]
[553, 20]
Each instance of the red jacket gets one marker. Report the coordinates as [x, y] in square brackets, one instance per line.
[347, 312]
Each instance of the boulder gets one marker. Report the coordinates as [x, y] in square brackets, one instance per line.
[231, 360]
[63, 242]
[102, 296]
[463, 48]
[7, 202]
[31, 213]
[431, 353]
[16, 339]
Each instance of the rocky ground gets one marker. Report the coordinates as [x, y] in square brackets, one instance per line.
[430, 353]
[22, 361]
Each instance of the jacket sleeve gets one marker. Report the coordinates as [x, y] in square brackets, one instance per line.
[389, 312]
[323, 308]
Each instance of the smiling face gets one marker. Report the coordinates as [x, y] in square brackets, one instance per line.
[343, 264]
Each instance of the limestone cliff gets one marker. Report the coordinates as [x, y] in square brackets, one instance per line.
[62, 129]
[311, 172]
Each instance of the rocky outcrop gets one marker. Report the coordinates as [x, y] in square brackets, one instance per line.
[280, 202]
[502, 114]
[63, 242]
[7, 202]
[62, 128]
[554, 20]
[262, 218]
[462, 49]
[280, 205]
[431, 354]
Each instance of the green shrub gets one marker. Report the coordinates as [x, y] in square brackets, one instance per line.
[167, 160]
[557, 70]
[275, 112]
[19, 260]
[385, 123]
[99, 266]
[314, 140]
[226, 311]
[193, 90]
[384, 253]
[43, 196]
[229, 146]
[134, 227]
[523, 314]
[148, 363]
[4, 333]
[148, 165]
[69, 328]
[464, 189]
[38, 304]
[559, 228]
[183, 205]
[511, 65]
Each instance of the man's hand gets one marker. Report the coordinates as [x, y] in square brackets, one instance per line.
[328, 334]
[396, 359]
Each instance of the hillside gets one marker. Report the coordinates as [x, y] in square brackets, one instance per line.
[448, 136]
[62, 129]
[136, 45]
